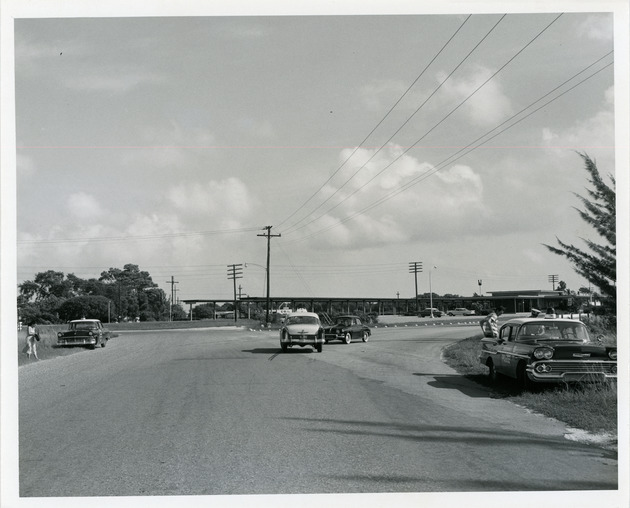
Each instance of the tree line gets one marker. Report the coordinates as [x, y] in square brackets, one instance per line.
[117, 295]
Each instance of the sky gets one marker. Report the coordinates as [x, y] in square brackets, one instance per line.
[367, 142]
[369, 135]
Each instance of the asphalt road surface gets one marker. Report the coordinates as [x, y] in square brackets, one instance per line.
[223, 412]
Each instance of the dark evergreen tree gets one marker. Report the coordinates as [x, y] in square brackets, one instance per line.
[598, 263]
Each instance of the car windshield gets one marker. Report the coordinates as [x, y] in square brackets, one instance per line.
[549, 330]
[301, 320]
[83, 326]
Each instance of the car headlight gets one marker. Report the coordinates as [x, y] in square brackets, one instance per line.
[543, 352]
[59, 335]
[612, 354]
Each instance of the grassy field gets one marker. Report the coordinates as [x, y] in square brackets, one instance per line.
[591, 407]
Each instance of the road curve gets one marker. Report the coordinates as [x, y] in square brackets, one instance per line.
[223, 412]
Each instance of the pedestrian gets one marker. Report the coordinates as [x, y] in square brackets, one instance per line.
[489, 324]
[32, 338]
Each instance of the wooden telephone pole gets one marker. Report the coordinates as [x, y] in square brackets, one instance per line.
[269, 237]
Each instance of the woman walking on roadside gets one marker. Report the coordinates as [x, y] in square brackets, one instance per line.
[31, 340]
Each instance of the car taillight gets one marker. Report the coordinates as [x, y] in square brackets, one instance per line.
[543, 352]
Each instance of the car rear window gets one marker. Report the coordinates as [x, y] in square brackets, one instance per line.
[301, 320]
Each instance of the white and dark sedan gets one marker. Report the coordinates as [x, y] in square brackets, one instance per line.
[302, 329]
[548, 350]
[84, 332]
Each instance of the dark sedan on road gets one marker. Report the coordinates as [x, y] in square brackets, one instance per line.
[430, 312]
[548, 351]
[347, 328]
[84, 332]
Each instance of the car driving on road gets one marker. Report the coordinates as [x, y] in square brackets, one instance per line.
[430, 312]
[461, 311]
[534, 350]
[302, 329]
[346, 328]
[84, 332]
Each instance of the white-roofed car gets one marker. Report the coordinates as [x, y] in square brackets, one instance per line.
[548, 350]
[302, 328]
[84, 332]
[461, 311]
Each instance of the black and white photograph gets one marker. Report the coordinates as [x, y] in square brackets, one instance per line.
[288, 254]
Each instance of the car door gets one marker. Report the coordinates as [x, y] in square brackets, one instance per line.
[505, 348]
[355, 327]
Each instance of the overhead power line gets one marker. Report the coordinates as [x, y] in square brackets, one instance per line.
[471, 147]
[511, 59]
[377, 125]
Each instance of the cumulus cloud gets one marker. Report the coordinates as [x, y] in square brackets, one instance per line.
[421, 194]
[596, 132]
[84, 206]
[167, 147]
[219, 202]
[597, 27]
[380, 94]
[488, 106]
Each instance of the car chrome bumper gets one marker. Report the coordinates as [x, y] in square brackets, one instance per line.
[571, 371]
[302, 339]
[76, 342]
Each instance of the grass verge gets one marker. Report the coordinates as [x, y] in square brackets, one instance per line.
[588, 407]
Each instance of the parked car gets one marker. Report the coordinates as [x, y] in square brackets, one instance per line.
[84, 332]
[461, 311]
[539, 350]
[346, 328]
[302, 329]
[427, 312]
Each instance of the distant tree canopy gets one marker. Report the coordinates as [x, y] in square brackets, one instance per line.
[598, 263]
[117, 294]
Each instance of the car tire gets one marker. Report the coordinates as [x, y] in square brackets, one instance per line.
[492, 372]
[103, 342]
[522, 379]
[318, 347]
[348, 338]
[365, 337]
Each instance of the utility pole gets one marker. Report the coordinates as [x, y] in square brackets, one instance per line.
[235, 272]
[269, 237]
[415, 267]
[172, 282]
[553, 279]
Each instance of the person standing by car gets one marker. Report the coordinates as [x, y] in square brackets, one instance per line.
[489, 324]
[31, 340]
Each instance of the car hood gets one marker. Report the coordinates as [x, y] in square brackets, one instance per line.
[575, 349]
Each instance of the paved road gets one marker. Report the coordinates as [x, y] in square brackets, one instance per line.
[211, 412]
